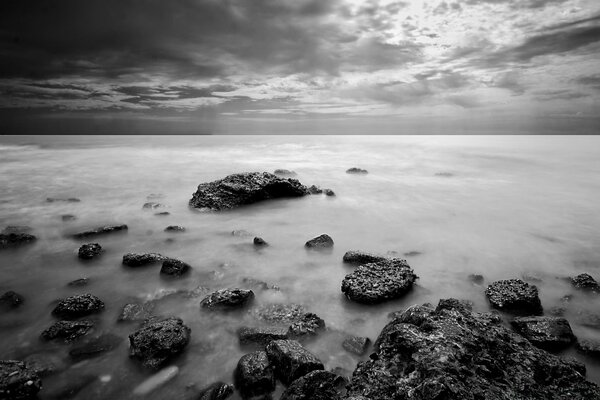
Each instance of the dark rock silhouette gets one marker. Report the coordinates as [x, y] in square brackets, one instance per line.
[139, 260]
[89, 251]
[174, 228]
[548, 333]
[8, 240]
[172, 267]
[11, 300]
[227, 299]
[156, 343]
[323, 241]
[67, 331]
[261, 335]
[103, 230]
[78, 306]
[314, 189]
[355, 170]
[586, 282]
[260, 242]
[291, 360]
[362, 257]
[254, 375]
[57, 199]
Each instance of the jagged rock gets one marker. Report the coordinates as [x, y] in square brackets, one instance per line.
[95, 346]
[258, 241]
[514, 296]
[320, 242]
[11, 300]
[152, 205]
[174, 267]
[285, 172]
[453, 353]
[362, 257]
[227, 299]
[89, 251]
[67, 331]
[102, 230]
[315, 190]
[16, 229]
[136, 311]
[254, 375]
[316, 385]
[279, 313]
[17, 381]
[378, 282]
[68, 217]
[247, 188]
[68, 200]
[356, 344]
[78, 306]
[79, 282]
[586, 282]
[156, 380]
[308, 325]
[216, 391]
[548, 333]
[157, 342]
[589, 347]
[8, 240]
[174, 228]
[261, 336]
[291, 360]
[476, 278]
[355, 170]
[138, 260]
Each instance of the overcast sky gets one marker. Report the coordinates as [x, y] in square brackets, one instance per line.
[300, 66]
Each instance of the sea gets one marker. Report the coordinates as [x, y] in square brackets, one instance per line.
[501, 206]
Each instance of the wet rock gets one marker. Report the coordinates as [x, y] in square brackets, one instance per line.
[279, 313]
[89, 251]
[95, 346]
[11, 300]
[586, 282]
[320, 242]
[102, 230]
[548, 333]
[174, 228]
[136, 312]
[43, 364]
[284, 172]
[8, 240]
[261, 336]
[174, 267]
[452, 353]
[315, 190]
[152, 205]
[216, 391]
[162, 213]
[356, 344]
[68, 217]
[247, 188]
[79, 282]
[254, 375]
[227, 299]
[378, 282]
[17, 381]
[157, 342]
[308, 325]
[316, 385]
[329, 192]
[78, 306]
[139, 260]
[156, 380]
[291, 360]
[68, 200]
[355, 170]
[514, 296]
[67, 331]
[476, 279]
[258, 241]
[589, 347]
[362, 257]
[16, 229]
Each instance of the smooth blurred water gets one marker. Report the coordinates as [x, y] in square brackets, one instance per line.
[501, 206]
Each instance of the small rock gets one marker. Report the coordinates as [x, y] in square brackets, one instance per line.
[138, 260]
[589, 347]
[89, 251]
[152, 205]
[162, 213]
[11, 300]
[78, 306]
[68, 217]
[68, 200]
[291, 360]
[320, 242]
[227, 299]
[67, 331]
[316, 385]
[136, 312]
[100, 231]
[284, 172]
[8, 240]
[79, 282]
[174, 267]
[279, 313]
[260, 242]
[548, 333]
[157, 342]
[254, 375]
[586, 282]
[412, 253]
[476, 279]
[16, 229]
[356, 344]
[355, 170]
[17, 381]
[315, 190]
[329, 192]
[216, 391]
[174, 228]
[362, 257]
[95, 346]
[308, 325]
[261, 336]
[515, 296]
[156, 380]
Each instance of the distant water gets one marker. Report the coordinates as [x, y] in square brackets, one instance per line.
[500, 206]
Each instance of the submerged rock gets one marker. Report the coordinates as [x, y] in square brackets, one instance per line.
[476, 278]
[18, 381]
[258, 241]
[261, 336]
[68, 217]
[95, 346]
[356, 344]
[548, 333]
[362, 257]
[216, 391]
[152, 205]
[174, 228]
[315, 190]
[355, 170]
[89, 251]
[279, 313]
[316, 385]
[247, 188]
[329, 192]
[139, 260]
[157, 342]
[136, 312]
[291, 360]
[320, 242]
[78, 306]
[378, 282]
[79, 282]
[453, 353]
[156, 380]
[227, 299]
[162, 213]
[8, 240]
[102, 230]
[67, 331]
[514, 296]
[11, 300]
[586, 282]
[68, 200]
[308, 325]
[284, 172]
[174, 267]
[254, 375]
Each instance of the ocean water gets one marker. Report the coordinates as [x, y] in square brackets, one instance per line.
[500, 206]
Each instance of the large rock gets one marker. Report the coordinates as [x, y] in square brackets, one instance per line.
[323, 241]
[261, 336]
[586, 282]
[361, 257]
[452, 353]
[308, 325]
[89, 251]
[514, 296]
[102, 230]
[172, 267]
[17, 381]
[157, 342]
[8, 240]
[78, 306]
[316, 385]
[139, 260]
[548, 333]
[247, 188]
[291, 360]
[254, 375]
[215, 391]
[11, 300]
[67, 331]
[227, 299]
[378, 282]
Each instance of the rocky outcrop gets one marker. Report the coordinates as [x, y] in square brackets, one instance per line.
[95, 346]
[355, 170]
[362, 257]
[308, 325]
[247, 188]
[227, 299]
[291, 360]
[586, 282]
[102, 230]
[136, 311]
[8, 240]
[356, 344]
[453, 353]
[316, 385]
[172, 267]
[140, 260]
[157, 342]
[378, 282]
[78, 306]
[67, 331]
[323, 241]
[254, 375]
[11, 300]
[514, 296]
[548, 333]
[216, 391]
[260, 242]
[89, 251]
[18, 381]
[260, 336]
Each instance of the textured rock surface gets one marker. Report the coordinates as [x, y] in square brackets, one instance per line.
[279, 313]
[227, 299]
[261, 336]
[100, 231]
[356, 344]
[362, 257]
[291, 360]
[515, 296]
[316, 385]
[136, 311]
[216, 391]
[78, 306]
[8, 240]
[139, 260]
[157, 342]
[247, 188]
[254, 375]
[586, 282]
[11, 300]
[174, 267]
[548, 333]
[355, 170]
[17, 381]
[95, 346]
[67, 331]
[89, 251]
[308, 325]
[320, 242]
[378, 282]
[452, 353]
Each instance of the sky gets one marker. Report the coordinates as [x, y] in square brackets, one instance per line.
[299, 67]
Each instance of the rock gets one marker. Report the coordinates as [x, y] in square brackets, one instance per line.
[162, 213]
[315, 190]
[95, 346]
[139, 260]
[79, 282]
[548, 333]
[174, 267]
[260, 242]
[453, 353]
[356, 344]
[227, 299]
[17, 381]
[78, 306]
[316, 385]
[412, 253]
[284, 172]
[476, 279]
[152, 205]
[68, 217]
[89, 251]
[254, 375]
[11, 300]
[261, 336]
[320, 242]
[378, 282]
[241, 189]
[68, 200]
[514, 296]
[156, 380]
[16, 229]
[102, 230]
[157, 342]
[362, 257]
[8, 240]
[329, 192]
[589, 347]
[174, 228]
[355, 170]
[216, 391]
[586, 282]
[308, 325]
[279, 313]
[67, 331]
[291, 360]
[136, 312]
